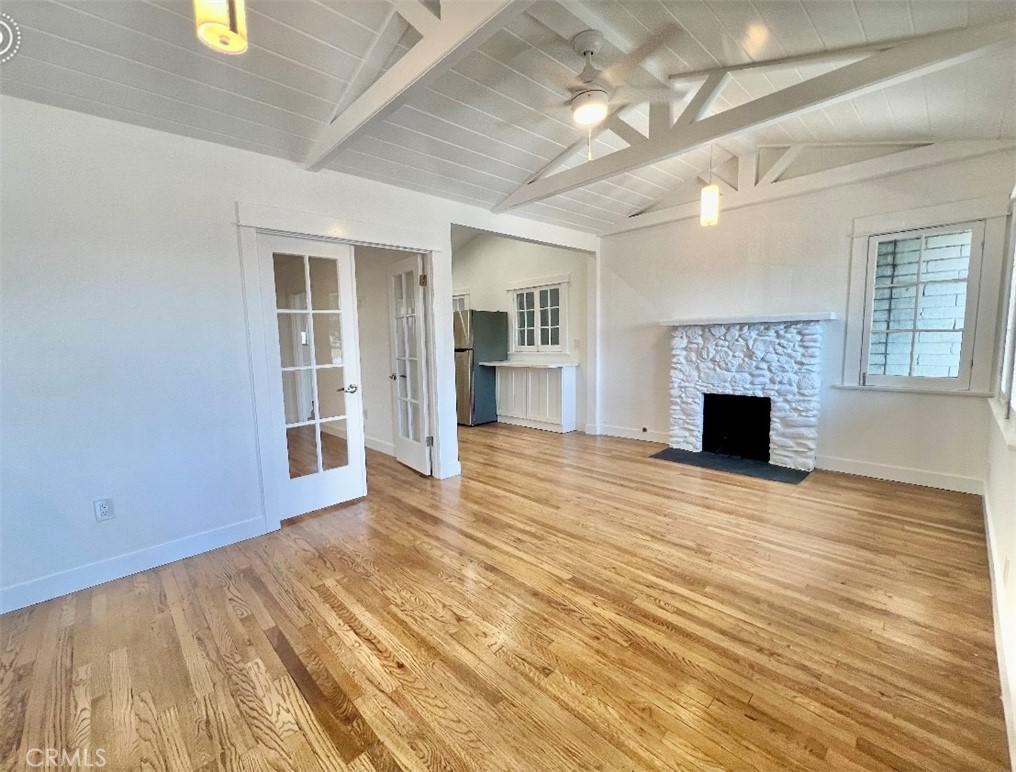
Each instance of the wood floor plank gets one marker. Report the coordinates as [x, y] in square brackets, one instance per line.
[569, 603]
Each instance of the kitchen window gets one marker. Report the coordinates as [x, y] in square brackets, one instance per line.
[540, 314]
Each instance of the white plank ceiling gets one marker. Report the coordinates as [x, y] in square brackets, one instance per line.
[481, 129]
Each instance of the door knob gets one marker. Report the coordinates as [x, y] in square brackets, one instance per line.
[392, 377]
[350, 389]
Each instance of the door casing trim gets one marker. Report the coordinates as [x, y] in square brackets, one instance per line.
[252, 219]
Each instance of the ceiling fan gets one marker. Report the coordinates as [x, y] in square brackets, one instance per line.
[594, 93]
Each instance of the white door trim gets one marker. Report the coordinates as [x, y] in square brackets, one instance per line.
[252, 218]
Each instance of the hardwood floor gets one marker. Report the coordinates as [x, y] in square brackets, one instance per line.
[569, 603]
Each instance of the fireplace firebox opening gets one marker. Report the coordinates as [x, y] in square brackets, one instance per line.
[735, 425]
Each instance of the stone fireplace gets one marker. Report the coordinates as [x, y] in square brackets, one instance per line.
[778, 357]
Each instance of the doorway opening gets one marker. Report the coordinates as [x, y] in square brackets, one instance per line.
[394, 319]
[308, 343]
[523, 331]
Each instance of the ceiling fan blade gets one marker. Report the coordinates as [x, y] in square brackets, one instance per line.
[634, 96]
[555, 106]
[619, 72]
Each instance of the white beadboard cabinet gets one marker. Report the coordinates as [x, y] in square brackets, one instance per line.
[536, 394]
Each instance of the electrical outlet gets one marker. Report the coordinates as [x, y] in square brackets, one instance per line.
[104, 509]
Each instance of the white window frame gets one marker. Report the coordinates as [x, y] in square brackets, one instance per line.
[961, 382]
[1007, 368]
[464, 295]
[993, 211]
[559, 283]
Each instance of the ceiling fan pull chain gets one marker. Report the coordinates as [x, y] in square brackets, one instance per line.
[589, 144]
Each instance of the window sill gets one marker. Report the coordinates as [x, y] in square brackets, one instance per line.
[899, 390]
[1007, 426]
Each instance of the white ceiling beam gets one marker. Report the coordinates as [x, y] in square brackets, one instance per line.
[790, 61]
[781, 165]
[624, 130]
[905, 62]
[661, 118]
[370, 66]
[703, 99]
[874, 168]
[464, 25]
[418, 15]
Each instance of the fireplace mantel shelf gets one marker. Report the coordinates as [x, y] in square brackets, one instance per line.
[813, 316]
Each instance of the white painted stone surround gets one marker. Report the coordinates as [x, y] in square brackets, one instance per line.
[779, 357]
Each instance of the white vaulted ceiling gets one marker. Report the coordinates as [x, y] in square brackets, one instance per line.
[480, 130]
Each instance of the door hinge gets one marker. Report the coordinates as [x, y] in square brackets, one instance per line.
[430, 441]
[423, 280]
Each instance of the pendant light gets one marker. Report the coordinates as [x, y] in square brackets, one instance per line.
[709, 204]
[222, 25]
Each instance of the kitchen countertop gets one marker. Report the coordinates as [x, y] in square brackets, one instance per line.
[530, 365]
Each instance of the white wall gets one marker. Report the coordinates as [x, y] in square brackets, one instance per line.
[789, 255]
[125, 367]
[1000, 519]
[487, 265]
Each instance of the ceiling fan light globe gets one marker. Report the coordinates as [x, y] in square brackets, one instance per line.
[589, 108]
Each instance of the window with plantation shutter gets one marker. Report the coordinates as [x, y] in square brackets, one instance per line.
[922, 294]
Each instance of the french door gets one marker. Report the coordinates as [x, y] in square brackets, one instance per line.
[409, 363]
[316, 456]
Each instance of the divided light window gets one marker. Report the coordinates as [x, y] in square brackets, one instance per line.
[538, 315]
[921, 299]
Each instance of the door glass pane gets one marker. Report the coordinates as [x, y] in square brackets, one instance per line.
[401, 370]
[400, 337]
[334, 445]
[324, 283]
[330, 384]
[410, 298]
[327, 339]
[410, 322]
[403, 419]
[294, 340]
[290, 282]
[414, 421]
[298, 396]
[302, 444]
[412, 379]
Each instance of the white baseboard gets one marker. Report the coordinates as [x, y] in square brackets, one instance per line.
[543, 426]
[635, 434]
[1005, 645]
[381, 446]
[949, 482]
[74, 579]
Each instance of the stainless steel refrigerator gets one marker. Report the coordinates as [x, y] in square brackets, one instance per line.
[480, 336]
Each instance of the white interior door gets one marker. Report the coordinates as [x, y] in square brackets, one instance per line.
[409, 364]
[316, 456]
